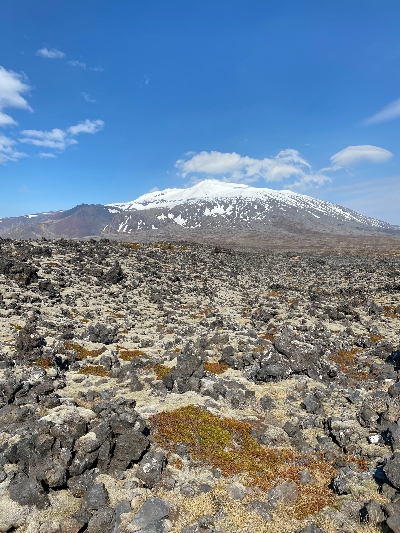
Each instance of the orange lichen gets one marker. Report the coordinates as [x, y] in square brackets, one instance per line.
[216, 368]
[167, 246]
[83, 352]
[94, 370]
[132, 245]
[161, 370]
[347, 361]
[267, 336]
[44, 362]
[128, 355]
[375, 338]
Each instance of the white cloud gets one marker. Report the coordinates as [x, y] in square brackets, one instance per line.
[6, 120]
[51, 53]
[356, 154]
[86, 97]
[7, 150]
[390, 112]
[47, 155]
[234, 167]
[58, 139]
[88, 126]
[81, 64]
[12, 86]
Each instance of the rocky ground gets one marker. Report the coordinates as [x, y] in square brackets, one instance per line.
[183, 387]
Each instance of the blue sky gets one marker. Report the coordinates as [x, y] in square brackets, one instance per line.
[103, 101]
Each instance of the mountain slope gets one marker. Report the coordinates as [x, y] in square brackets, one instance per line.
[210, 211]
[80, 221]
[224, 196]
[213, 203]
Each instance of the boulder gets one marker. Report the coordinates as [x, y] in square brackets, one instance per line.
[151, 468]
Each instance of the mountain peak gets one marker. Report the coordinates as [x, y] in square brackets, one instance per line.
[209, 209]
[204, 190]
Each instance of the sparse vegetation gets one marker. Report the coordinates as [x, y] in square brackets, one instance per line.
[389, 311]
[273, 294]
[347, 361]
[376, 338]
[267, 336]
[128, 355]
[94, 370]
[83, 352]
[131, 245]
[44, 362]
[227, 444]
[114, 314]
[263, 415]
[215, 368]
[161, 370]
[166, 246]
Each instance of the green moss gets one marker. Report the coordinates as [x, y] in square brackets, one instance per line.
[227, 444]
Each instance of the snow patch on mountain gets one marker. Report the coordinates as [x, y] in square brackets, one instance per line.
[216, 198]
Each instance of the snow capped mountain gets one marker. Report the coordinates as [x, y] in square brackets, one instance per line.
[205, 190]
[234, 203]
[210, 211]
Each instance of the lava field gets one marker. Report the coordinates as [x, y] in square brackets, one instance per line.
[181, 387]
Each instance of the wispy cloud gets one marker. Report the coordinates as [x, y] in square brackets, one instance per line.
[50, 53]
[79, 64]
[12, 87]
[84, 66]
[145, 80]
[86, 97]
[390, 112]
[355, 154]
[88, 126]
[6, 120]
[8, 151]
[56, 138]
[46, 155]
[59, 139]
[287, 164]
